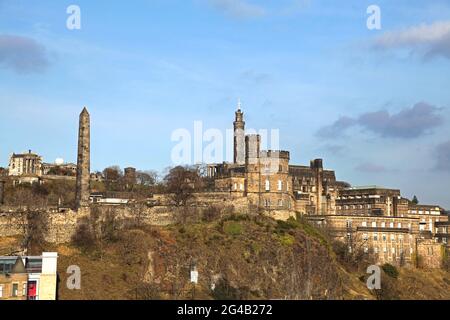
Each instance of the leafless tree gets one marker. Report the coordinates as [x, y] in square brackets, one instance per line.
[181, 183]
[30, 217]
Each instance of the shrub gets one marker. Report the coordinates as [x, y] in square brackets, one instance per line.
[211, 213]
[84, 237]
[285, 226]
[133, 248]
[390, 270]
[232, 228]
[286, 240]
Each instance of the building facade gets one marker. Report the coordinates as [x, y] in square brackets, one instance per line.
[376, 220]
[29, 278]
[25, 164]
[381, 222]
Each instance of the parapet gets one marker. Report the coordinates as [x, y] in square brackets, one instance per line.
[277, 154]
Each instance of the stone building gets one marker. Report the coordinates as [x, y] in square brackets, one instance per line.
[268, 180]
[130, 177]
[25, 164]
[380, 221]
[315, 188]
[29, 278]
[374, 219]
[371, 200]
[69, 169]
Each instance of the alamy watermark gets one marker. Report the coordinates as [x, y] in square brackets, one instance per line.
[200, 146]
[74, 280]
[374, 280]
[374, 20]
[73, 22]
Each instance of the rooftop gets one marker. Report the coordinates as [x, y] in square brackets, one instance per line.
[366, 187]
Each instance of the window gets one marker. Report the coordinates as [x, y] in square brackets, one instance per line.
[391, 225]
[374, 224]
[383, 224]
[24, 289]
[384, 237]
[280, 168]
[242, 186]
[267, 185]
[365, 236]
[280, 203]
[280, 185]
[235, 186]
[364, 224]
[15, 289]
[1, 291]
[375, 237]
[399, 225]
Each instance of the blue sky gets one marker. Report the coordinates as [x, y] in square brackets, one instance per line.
[373, 103]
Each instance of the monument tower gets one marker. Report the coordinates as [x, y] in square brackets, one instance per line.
[84, 161]
[239, 137]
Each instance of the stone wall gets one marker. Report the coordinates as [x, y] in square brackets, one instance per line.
[63, 224]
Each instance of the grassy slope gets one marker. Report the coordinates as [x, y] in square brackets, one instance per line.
[258, 257]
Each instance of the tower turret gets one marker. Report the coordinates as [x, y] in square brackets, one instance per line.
[239, 136]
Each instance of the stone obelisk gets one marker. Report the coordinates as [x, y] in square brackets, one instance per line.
[84, 161]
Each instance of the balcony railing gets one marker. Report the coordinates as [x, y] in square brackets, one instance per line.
[381, 229]
[442, 224]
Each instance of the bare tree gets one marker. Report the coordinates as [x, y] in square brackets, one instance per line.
[147, 178]
[181, 183]
[30, 216]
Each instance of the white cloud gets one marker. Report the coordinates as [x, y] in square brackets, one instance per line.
[432, 39]
[239, 8]
[22, 54]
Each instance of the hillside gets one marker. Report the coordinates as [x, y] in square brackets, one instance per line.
[240, 257]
